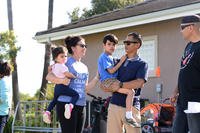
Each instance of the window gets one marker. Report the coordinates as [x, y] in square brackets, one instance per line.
[119, 51]
[148, 52]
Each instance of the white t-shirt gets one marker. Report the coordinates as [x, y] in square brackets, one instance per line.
[59, 70]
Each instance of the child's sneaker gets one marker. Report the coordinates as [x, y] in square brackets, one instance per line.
[132, 122]
[68, 110]
[47, 117]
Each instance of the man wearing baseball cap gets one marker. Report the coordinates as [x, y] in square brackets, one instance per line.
[187, 92]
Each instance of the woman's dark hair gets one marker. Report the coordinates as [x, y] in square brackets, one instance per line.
[57, 51]
[5, 69]
[111, 38]
[136, 36]
[71, 41]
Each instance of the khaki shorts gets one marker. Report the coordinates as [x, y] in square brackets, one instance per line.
[107, 85]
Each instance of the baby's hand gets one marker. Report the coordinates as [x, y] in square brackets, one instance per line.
[123, 58]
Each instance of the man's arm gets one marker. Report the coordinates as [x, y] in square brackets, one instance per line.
[134, 84]
[52, 78]
[141, 78]
[174, 96]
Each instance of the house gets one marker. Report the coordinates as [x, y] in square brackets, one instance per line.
[158, 21]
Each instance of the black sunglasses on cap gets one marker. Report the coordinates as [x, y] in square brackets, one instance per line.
[83, 45]
[129, 42]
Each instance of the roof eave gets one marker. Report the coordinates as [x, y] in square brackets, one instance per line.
[123, 23]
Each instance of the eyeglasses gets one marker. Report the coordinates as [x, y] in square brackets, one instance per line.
[83, 45]
[184, 26]
[129, 42]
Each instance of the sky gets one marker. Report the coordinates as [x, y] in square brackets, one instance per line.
[29, 17]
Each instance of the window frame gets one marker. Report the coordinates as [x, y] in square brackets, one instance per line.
[151, 73]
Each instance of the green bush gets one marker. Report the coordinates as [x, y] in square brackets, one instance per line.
[8, 127]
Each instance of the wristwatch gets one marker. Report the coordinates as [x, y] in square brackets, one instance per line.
[120, 84]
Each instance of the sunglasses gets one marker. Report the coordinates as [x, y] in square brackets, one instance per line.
[83, 45]
[129, 42]
[184, 26]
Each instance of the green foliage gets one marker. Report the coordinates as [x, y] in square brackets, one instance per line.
[8, 49]
[74, 16]
[101, 6]
[8, 127]
[49, 96]
[26, 97]
[50, 91]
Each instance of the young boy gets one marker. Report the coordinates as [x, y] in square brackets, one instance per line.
[108, 73]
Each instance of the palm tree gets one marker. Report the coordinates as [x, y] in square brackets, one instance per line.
[47, 54]
[13, 57]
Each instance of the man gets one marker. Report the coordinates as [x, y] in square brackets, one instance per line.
[188, 90]
[132, 74]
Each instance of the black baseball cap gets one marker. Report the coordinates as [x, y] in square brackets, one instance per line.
[190, 19]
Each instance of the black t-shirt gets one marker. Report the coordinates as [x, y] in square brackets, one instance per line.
[189, 75]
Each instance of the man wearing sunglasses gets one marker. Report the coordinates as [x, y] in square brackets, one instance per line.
[132, 74]
[187, 92]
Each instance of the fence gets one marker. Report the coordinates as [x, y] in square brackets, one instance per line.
[32, 121]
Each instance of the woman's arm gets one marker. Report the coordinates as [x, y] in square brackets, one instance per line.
[52, 78]
[92, 83]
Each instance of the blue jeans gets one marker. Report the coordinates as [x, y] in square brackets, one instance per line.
[59, 90]
[3, 121]
[193, 122]
[180, 124]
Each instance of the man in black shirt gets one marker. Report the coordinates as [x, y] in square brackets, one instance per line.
[188, 89]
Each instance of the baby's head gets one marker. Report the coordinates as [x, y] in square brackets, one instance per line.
[5, 69]
[109, 42]
[59, 55]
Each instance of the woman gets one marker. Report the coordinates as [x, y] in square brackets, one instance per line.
[5, 94]
[77, 48]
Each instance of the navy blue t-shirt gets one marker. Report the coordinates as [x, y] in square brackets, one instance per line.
[131, 69]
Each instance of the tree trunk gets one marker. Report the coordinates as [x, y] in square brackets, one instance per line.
[50, 15]
[16, 97]
[43, 87]
[10, 17]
